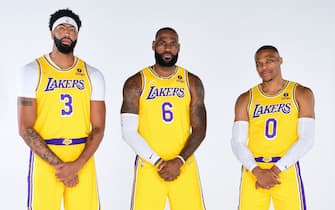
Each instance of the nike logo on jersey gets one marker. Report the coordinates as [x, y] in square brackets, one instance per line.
[64, 83]
[165, 91]
[271, 108]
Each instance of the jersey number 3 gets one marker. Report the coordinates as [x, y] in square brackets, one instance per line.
[67, 109]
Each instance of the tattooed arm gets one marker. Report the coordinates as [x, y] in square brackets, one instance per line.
[170, 170]
[26, 121]
[97, 121]
[132, 90]
[68, 170]
[198, 117]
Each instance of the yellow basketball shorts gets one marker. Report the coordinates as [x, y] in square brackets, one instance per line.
[46, 192]
[289, 195]
[150, 191]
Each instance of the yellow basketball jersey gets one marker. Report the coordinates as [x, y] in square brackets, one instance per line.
[63, 100]
[164, 111]
[273, 121]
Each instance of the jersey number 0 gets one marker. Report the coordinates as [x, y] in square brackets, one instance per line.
[271, 128]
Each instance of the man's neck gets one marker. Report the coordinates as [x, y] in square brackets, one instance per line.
[63, 61]
[164, 71]
[273, 87]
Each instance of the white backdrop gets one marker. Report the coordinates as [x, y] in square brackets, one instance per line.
[218, 40]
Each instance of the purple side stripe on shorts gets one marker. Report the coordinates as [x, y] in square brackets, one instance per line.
[30, 172]
[134, 182]
[301, 186]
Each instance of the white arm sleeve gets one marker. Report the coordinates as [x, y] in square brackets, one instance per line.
[306, 129]
[97, 84]
[239, 142]
[28, 79]
[129, 126]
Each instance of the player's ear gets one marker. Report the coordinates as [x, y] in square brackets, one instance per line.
[280, 60]
[52, 34]
[153, 45]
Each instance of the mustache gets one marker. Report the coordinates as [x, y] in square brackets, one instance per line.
[65, 48]
[61, 39]
[167, 53]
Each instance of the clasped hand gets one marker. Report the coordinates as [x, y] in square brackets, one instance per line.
[68, 173]
[266, 178]
[169, 170]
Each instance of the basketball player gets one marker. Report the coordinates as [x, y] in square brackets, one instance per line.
[61, 113]
[161, 104]
[273, 129]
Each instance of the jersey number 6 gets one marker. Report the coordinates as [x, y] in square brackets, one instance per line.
[167, 113]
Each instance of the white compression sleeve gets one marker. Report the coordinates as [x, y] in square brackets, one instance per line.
[239, 145]
[28, 79]
[97, 84]
[129, 126]
[306, 129]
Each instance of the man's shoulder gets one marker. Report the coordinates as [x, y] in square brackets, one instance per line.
[303, 91]
[147, 68]
[186, 70]
[92, 70]
[190, 75]
[137, 74]
[245, 96]
[300, 88]
[31, 66]
[256, 86]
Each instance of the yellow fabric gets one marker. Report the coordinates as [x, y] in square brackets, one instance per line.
[164, 112]
[63, 111]
[46, 192]
[273, 122]
[63, 100]
[286, 196]
[151, 192]
[164, 122]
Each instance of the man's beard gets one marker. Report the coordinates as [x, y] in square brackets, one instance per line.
[65, 49]
[160, 61]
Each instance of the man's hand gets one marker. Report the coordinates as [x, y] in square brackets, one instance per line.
[266, 178]
[71, 182]
[169, 170]
[275, 170]
[68, 173]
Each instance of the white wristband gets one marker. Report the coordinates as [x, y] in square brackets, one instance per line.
[181, 158]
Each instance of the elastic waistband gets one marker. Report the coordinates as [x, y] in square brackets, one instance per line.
[267, 159]
[66, 141]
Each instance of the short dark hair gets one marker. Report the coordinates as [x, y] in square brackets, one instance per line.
[163, 29]
[267, 47]
[61, 13]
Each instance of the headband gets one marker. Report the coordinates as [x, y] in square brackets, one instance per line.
[65, 19]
